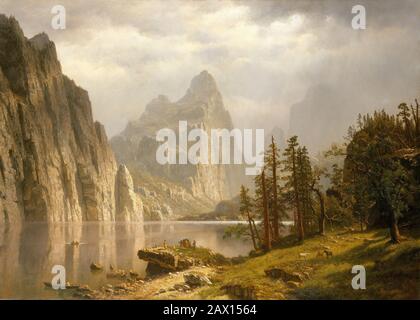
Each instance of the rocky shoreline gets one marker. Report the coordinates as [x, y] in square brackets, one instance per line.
[173, 272]
[319, 268]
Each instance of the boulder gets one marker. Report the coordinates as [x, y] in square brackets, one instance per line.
[279, 273]
[117, 274]
[196, 279]
[181, 287]
[95, 267]
[162, 260]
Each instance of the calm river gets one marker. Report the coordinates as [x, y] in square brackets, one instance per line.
[28, 253]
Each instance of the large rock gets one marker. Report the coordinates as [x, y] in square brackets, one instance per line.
[129, 205]
[195, 279]
[162, 260]
[55, 160]
[177, 258]
[279, 273]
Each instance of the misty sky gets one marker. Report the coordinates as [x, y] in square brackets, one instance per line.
[264, 55]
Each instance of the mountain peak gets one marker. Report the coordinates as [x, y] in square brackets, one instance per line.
[40, 41]
[10, 26]
[203, 85]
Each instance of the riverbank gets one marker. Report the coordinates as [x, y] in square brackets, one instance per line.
[173, 272]
[392, 271]
[320, 268]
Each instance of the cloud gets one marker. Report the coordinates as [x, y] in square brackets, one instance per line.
[265, 55]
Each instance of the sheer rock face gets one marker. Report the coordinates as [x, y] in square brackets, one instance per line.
[129, 206]
[55, 161]
[202, 107]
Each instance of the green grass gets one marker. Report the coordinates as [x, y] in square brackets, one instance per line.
[206, 256]
[392, 271]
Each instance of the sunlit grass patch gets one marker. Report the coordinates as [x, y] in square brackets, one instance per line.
[392, 270]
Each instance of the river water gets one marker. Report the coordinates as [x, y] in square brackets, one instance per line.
[28, 252]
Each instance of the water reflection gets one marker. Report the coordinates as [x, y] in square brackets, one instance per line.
[28, 252]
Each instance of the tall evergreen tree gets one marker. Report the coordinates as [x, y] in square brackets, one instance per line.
[246, 209]
[272, 167]
[304, 182]
[291, 177]
[267, 226]
[316, 187]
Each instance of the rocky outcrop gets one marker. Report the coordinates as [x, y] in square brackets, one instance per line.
[279, 273]
[176, 258]
[163, 260]
[129, 205]
[55, 160]
[202, 107]
[196, 279]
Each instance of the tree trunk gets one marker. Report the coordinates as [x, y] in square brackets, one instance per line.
[321, 220]
[256, 231]
[275, 211]
[252, 232]
[395, 232]
[300, 229]
[267, 238]
[417, 128]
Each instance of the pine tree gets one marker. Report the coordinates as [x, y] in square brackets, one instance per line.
[272, 167]
[246, 209]
[404, 115]
[304, 182]
[267, 226]
[291, 177]
[317, 172]
[416, 122]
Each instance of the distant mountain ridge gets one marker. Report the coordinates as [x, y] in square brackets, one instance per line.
[202, 107]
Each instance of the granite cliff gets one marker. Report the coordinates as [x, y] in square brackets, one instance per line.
[181, 188]
[56, 163]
